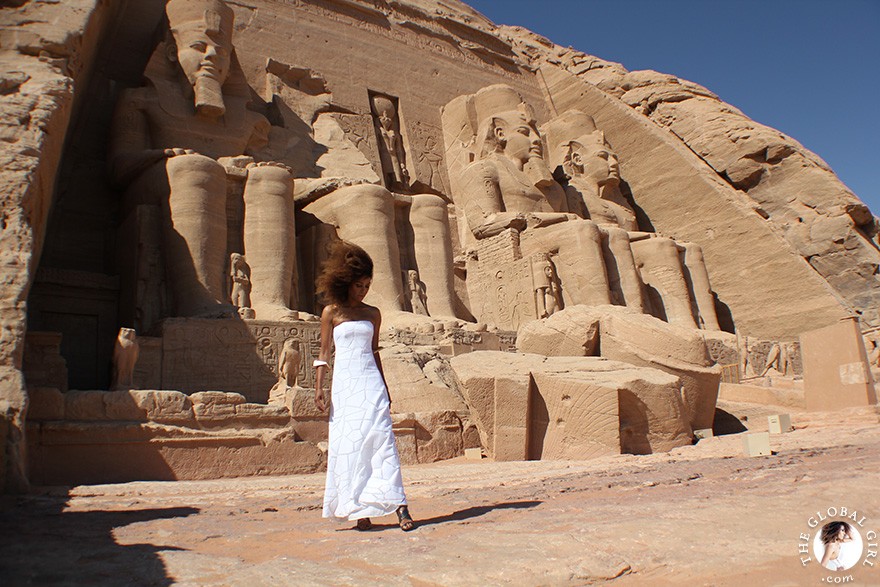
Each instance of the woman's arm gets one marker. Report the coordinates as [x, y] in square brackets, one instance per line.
[827, 556]
[377, 324]
[323, 356]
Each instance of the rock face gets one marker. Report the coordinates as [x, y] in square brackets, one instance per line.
[817, 239]
[47, 51]
[194, 204]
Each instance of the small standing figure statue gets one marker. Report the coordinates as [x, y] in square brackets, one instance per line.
[240, 285]
[288, 371]
[418, 298]
[125, 356]
[288, 362]
[391, 149]
[546, 288]
[777, 359]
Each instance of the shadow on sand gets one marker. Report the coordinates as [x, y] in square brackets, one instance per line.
[460, 515]
[42, 544]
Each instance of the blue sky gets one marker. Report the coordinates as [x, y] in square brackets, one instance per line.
[808, 68]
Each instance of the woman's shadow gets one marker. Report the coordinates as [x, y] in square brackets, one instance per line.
[465, 514]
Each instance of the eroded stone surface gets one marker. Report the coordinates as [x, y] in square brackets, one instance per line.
[599, 405]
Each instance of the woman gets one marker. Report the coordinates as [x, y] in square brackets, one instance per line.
[363, 467]
[834, 534]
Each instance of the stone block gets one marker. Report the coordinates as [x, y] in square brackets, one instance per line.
[836, 370]
[574, 332]
[117, 452]
[233, 355]
[511, 409]
[46, 403]
[473, 454]
[405, 436]
[148, 369]
[573, 418]
[262, 414]
[438, 435]
[411, 388]
[84, 405]
[569, 407]
[639, 339]
[785, 398]
[756, 444]
[43, 364]
[779, 423]
[215, 406]
[703, 433]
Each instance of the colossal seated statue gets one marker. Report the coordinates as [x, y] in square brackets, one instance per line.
[368, 215]
[179, 140]
[506, 184]
[591, 175]
[587, 230]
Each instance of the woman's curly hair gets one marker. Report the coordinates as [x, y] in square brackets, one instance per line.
[832, 529]
[347, 263]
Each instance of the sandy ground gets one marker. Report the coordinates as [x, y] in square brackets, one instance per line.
[700, 515]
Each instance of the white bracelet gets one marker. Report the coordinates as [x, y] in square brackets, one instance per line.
[317, 363]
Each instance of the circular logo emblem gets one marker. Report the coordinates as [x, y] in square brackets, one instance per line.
[838, 546]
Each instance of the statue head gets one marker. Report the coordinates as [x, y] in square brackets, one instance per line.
[591, 157]
[580, 149]
[202, 33]
[506, 126]
[513, 134]
[385, 111]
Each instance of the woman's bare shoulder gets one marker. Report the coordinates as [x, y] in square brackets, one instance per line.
[329, 313]
[373, 313]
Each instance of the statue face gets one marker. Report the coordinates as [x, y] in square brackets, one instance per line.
[202, 54]
[385, 111]
[519, 136]
[597, 162]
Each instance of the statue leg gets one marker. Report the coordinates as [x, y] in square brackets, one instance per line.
[270, 240]
[433, 249]
[580, 264]
[364, 215]
[660, 267]
[698, 280]
[195, 234]
[630, 281]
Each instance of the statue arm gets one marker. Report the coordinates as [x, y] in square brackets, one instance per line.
[258, 143]
[131, 151]
[130, 147]
[539, 219]
[484, 206]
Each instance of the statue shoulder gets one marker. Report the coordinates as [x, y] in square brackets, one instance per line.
[484, 168]
[138, 98]
[257, 121]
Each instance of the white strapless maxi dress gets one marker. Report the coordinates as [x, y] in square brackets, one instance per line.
[363, 467]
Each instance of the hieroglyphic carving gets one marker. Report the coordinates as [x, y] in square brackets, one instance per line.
[232, 355]
[457, 44]
[503, 279]
[358, 129]
[426, 141]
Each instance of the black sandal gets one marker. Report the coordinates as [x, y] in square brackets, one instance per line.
[364, 524]
[404, 519]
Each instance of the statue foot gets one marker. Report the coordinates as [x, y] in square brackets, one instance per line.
[218, 311]
[275, 313]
